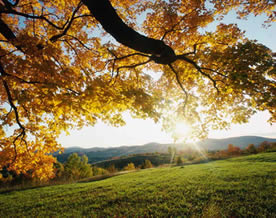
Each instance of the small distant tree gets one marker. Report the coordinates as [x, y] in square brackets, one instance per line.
[147, 164]
[251, 149]
[273, 146]
[179, 160]
[77, 167]
[130, 166]
[112, 169]
[233, 150]
[264, 146]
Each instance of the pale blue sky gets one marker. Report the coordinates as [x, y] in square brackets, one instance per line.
[138, 132]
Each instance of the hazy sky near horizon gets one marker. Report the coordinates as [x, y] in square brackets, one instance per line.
[138, 132]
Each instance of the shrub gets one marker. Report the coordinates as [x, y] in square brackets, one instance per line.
[130, 166]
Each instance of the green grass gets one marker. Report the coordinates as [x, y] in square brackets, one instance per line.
[238, 187]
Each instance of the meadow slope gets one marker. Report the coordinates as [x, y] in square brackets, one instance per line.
[237, 187]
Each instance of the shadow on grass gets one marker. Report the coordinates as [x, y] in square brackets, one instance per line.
[23, 187]
[102, 177]
[97, 178]
[9, 189]
[193, 163]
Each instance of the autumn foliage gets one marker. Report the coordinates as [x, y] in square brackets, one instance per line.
[59, 69]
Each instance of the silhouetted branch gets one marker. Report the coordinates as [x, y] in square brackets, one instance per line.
[41, 17]
[56, 37]
[183, 57]
[181, 86]
[22, 134]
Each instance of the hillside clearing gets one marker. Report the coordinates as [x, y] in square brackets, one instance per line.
[237, 187]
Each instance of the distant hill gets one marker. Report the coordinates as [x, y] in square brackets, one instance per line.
[242, 142]
[96, 154]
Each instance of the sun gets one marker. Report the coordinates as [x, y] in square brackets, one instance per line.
[182, 129]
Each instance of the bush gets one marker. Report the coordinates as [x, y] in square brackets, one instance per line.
[77, 167]
[130, 166]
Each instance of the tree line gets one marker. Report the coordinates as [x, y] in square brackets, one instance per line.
[76, 167]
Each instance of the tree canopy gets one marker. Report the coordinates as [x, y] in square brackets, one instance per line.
[67, 64]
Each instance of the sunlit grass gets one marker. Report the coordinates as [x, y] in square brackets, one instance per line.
[237, 187]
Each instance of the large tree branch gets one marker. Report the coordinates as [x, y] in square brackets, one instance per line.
[161, 53]
[104, 12]
[7, 33]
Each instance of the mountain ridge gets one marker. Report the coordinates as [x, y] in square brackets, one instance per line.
[96, 154]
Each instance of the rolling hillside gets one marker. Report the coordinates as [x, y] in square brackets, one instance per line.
[97, 154]
[237, 187]
[137, 160]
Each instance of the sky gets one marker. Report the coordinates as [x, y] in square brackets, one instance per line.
[139, 132]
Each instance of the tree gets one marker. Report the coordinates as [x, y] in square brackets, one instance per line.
[59, 69]
[147, 164]
[251, 149]
[233, 150]
[112, 168]
[77, 167]
[264, 146]
[179, 160]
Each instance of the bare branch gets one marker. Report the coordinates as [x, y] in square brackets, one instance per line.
[10, 100]
[41, 17]
[181, 86]
[183, 57]
[8, 53]
[134, 65]
[130, 66]
[131, 55]
[175, 25]
[79, 41]
[205, 68]
[194, 49]
[56, 37]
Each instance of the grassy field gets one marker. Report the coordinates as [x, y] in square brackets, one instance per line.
[237, 187]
